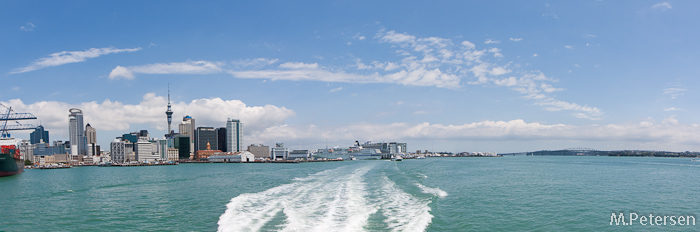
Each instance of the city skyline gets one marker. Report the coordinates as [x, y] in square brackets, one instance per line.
[448, 76]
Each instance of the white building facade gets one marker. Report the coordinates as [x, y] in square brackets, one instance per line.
[234, 135]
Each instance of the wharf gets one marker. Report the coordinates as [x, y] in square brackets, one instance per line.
[55, 167]
[140, 165]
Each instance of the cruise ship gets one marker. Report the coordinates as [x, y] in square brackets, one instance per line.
[356, 152]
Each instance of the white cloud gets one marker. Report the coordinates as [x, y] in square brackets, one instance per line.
[569, 47]
[535, 55]
[674, 92]
[393, 37]
[590, 36]
[187, 67]
[468, 45]
[120, 117]
[67, 57]
[672, 109]
[298, 65]
[15, 88]
[27, 27]
[336, 89]
[662, 6]
[516, 39]
[358, 37]
[490, 41]
[418, 77]
[120, 71]
[254, 63]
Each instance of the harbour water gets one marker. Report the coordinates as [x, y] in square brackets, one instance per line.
[434, 194]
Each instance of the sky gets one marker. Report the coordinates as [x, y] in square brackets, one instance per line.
[457, 76]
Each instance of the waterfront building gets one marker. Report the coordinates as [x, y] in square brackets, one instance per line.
[279, 152]
[93, 149]
[298, 154]
[204, 136]
[173, 154]
[260, 151]
[44, 149]
[118, 150]
[27, 149]
[234, 137]
[129, 152]
[144, 152]
[221, 139]
[39, 135]
[204, 154]
[232, 157]
[182, 143]
[76, 132]
[163, 148]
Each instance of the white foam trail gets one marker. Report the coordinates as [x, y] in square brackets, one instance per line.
[434, 191]
[403, 211]
[332, 200]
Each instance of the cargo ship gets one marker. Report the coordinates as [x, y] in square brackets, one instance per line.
[10, 158]
[11, 162]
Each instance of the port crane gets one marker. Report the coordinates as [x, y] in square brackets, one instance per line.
[14, 116]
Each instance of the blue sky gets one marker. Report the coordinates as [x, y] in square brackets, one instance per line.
[501, 76]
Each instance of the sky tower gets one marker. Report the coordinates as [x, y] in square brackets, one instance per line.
[169, 112]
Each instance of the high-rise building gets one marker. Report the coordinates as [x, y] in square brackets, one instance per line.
[90, 134]
[39, 135]
[204, 135]
[182, 143]
[77, 132]
[234, 135]
[221, 138]
[187, 128]
[169, 113]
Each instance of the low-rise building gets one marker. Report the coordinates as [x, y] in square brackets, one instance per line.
[279, 152]
[298, 154]
[232, 157]
[260, 151]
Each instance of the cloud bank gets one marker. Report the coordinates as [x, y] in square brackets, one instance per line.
[117, 116]
[67, 57]
[422, 61]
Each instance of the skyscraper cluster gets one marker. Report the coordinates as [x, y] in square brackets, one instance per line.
[182, 145]
[76, 130]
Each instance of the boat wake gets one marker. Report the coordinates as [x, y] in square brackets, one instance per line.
[340, 199]
[434, 191]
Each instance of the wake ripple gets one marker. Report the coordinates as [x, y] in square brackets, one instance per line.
[332, 200]
[434, 191]
[403, 211]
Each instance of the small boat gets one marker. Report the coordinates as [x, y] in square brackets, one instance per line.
[420, 157]
[353, 158]
[696, 160]
[396, 158]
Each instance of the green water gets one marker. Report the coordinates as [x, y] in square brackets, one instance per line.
[434, 194]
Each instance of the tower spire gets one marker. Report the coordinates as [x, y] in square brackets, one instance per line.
[169, 113]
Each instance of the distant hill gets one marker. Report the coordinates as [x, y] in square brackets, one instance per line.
[588, 152]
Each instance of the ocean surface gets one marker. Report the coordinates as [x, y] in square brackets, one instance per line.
[435, 194]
